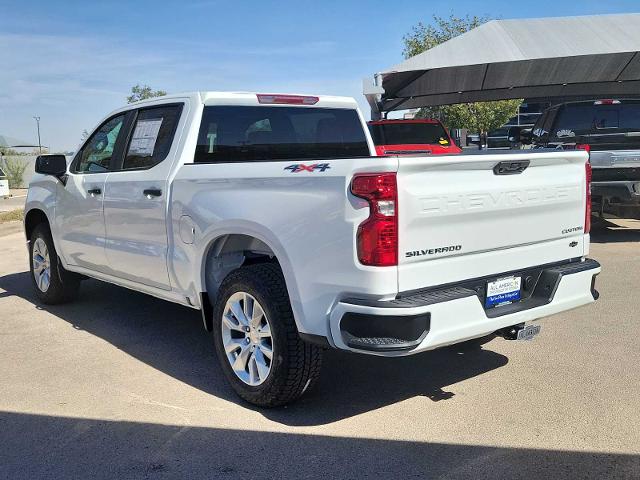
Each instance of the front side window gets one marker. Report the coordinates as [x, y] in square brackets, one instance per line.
[152, 136]
[245, 134]
[96, 155]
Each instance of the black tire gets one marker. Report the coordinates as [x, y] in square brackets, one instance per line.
[295, 366]
[63, 285]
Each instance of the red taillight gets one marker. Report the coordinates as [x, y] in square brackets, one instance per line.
[607, 101]
[276, 98]
[377, 237]
[587, 210]
[583, 146]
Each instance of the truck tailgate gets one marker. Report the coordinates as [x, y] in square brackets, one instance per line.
[461, 218]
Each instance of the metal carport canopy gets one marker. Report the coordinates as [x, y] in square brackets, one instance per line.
[501, 59]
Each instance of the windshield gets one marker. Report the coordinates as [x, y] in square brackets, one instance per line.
[408, 133]
[245, 134]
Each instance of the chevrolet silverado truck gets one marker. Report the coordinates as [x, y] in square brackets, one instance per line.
[272, 215]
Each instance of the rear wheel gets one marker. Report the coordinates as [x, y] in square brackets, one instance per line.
[257, 341]
[53, 284]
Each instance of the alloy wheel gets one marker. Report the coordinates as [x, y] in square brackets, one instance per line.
[41, 265]
[246, 337]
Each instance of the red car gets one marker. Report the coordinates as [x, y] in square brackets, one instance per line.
[411, 137]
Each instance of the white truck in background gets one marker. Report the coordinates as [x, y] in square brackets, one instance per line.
[272, 215]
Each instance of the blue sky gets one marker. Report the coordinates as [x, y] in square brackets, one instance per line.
[71, 62]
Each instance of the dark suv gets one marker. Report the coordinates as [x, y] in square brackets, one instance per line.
[610, 130]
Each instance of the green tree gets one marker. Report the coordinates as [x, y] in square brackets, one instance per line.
[424, 37]
[142, 92]
[481, 116]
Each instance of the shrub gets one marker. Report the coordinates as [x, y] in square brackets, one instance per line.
[12, 216]
[14, 170]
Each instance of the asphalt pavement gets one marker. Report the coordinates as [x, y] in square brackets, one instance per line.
[122, 385]
[15, 202]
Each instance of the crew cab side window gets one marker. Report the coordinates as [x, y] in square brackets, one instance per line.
[151, 136]
[96, 155]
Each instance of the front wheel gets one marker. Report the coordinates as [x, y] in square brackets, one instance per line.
[53, 284]
[257, 341]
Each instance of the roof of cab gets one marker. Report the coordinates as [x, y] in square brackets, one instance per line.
[251, 98]
[248, 98]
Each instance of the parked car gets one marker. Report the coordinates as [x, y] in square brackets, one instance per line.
[271, 215]
[412, 137]
[610, 130]
[499, 138]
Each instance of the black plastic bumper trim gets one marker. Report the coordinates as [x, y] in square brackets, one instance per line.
[540, 284]
[594, 293]
[416, 299]
[384, 332]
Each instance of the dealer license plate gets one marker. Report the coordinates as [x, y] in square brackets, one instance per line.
[503, 291]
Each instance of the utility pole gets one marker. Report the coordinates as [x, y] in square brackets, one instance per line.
[39, 143]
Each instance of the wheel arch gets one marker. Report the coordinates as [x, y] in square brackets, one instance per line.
[32, 219]
[230, 251]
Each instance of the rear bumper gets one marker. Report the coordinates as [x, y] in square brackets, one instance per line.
[434, 318]
[625, 192]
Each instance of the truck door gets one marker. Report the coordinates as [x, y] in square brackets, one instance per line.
[136, 196]
[79, 215]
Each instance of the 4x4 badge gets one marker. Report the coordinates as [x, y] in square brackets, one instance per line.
[301, 167]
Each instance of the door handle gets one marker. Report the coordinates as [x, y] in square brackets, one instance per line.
[94, 191]
[152, 192]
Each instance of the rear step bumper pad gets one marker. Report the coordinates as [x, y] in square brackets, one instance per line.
[424, 320]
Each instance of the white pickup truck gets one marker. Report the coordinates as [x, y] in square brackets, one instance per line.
[272, 215]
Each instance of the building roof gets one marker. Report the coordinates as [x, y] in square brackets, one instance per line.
[11, 142]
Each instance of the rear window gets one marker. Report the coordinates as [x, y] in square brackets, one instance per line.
[246, 134]
[152, 136]
[585, 119]
[408, 134]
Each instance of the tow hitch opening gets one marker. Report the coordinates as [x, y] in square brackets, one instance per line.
[519, 332]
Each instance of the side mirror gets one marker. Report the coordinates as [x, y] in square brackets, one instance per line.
[55, 165]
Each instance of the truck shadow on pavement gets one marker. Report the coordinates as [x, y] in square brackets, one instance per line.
[170, 338]
[606, 232]
[41, 446]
